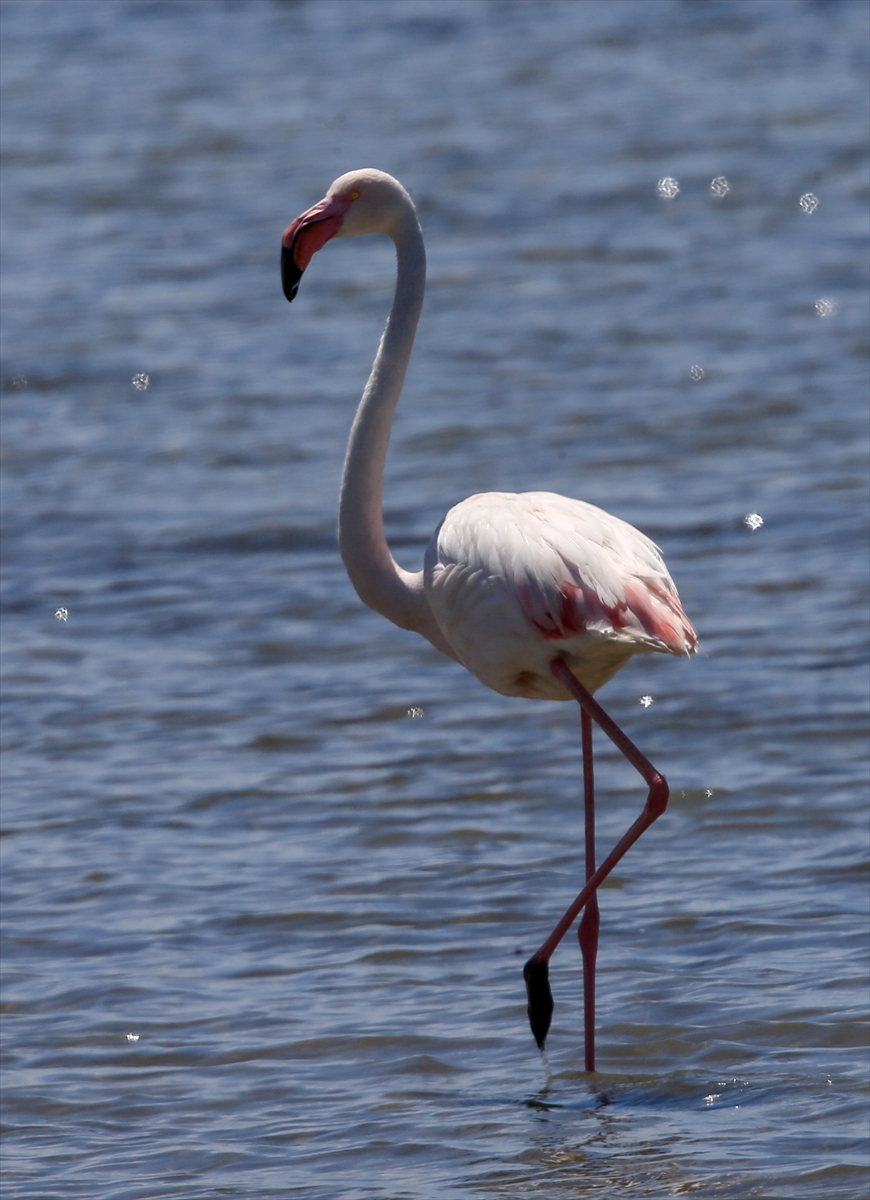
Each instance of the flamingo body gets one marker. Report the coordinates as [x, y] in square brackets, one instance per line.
[516, 580]
[536, 594]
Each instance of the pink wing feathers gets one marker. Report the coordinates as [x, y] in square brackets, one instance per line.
[646, 609]
[603, 577]
[574, 568]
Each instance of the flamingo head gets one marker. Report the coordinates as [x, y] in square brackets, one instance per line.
[366, 201]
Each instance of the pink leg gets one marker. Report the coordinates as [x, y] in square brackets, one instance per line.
[536, 970]
[587, 932]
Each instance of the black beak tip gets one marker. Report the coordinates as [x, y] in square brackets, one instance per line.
[290, 273]
[540, 1010]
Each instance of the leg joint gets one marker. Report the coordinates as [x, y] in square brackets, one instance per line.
[657, 800]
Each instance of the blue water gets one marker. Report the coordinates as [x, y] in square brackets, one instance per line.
[224, 834]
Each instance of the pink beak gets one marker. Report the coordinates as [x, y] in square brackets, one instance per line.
[308, 234]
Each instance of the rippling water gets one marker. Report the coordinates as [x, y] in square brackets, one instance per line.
[224, 833]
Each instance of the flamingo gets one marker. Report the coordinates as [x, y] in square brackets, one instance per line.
[536, 594]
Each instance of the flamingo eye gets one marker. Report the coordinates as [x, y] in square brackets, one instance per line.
[353, 195]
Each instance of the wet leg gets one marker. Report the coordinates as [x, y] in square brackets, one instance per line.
[587, 932]
[536, 970]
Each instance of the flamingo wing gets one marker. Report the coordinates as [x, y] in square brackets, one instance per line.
[574, 570]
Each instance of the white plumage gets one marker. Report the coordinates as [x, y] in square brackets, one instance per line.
[516, 580]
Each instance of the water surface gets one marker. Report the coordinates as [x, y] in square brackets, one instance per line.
[224, 834]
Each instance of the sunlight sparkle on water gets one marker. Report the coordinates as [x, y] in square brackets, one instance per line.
[61, 614]
[809, 203]
[753, 521]
[720, 186]
[696, 372]
[132, 1037]
[826, 308]
[646, 701]
[140, 381]
[415, 712]
[668, 187]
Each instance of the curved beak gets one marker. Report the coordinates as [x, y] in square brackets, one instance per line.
[306, 235]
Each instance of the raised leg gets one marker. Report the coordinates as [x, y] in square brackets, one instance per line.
[536, 970]
[587, 932]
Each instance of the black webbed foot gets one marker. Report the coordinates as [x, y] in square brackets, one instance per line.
[536, 974]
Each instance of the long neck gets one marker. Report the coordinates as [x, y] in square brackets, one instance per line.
[378, 579]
